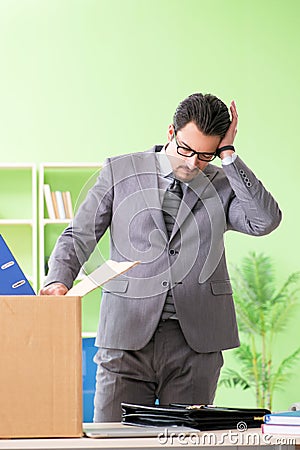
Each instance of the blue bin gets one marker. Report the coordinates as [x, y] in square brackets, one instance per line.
[89, 369]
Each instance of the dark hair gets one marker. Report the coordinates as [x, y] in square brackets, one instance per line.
[208, 112]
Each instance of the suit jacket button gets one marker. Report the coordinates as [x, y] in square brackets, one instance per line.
[172, 251]
[247, 182]
[165, 283]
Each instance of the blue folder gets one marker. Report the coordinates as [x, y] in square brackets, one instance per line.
[12, 279]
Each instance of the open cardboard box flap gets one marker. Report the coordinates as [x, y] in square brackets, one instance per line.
[107, 271]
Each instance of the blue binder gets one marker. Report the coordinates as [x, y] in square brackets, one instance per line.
[12, 279]
[89, 369]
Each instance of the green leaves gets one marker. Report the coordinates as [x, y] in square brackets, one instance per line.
[263, 311]
[283, 373]
[231, 378]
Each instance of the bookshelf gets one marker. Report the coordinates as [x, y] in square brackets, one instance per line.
[77, 178]
[18, 215]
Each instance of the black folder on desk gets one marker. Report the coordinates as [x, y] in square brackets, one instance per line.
[12, 279]
[201, 417]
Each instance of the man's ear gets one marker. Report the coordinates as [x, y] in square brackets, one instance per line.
[171, 132]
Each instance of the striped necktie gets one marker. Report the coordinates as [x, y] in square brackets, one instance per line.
[170, 208]
[171, 204]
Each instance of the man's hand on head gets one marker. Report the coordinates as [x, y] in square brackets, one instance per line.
[54, 289]
[231, 132]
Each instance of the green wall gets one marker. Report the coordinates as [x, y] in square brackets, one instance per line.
[85, 79]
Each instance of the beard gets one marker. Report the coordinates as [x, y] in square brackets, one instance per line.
[184, 173]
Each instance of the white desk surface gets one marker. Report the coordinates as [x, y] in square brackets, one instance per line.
[252, 438]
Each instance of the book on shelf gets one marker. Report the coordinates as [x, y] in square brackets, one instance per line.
[58, 203]
[280, 429]
[48, 200]
[54, 201]
[68, 204]
[283, 418]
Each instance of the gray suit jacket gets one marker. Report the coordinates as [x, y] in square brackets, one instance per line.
[192, 263]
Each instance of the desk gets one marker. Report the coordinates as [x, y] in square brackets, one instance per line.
[229, 439]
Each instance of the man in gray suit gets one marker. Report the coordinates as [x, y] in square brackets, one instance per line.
[163, 324]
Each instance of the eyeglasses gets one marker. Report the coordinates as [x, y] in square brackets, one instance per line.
[188, 152]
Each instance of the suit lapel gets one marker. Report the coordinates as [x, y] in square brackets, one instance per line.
[145, 168]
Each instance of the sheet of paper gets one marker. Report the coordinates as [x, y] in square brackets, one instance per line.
[107, 271]
[118, 430]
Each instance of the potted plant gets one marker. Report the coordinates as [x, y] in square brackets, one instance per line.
[263, 311]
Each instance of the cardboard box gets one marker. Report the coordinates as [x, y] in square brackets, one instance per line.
[41, 360]
[40, 376]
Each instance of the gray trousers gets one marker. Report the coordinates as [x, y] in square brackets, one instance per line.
[166, 369]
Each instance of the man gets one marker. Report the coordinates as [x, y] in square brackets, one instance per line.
[163, 325]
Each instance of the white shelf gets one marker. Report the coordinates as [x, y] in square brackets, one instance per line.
[56, 221]
[16, 221]
[17, 166]
[88, 334]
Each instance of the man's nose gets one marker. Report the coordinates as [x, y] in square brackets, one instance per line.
[193, 162]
